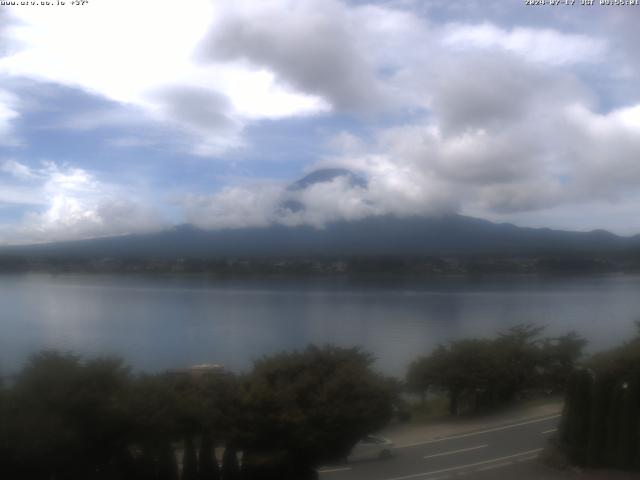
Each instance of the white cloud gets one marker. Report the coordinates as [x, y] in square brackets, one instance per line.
[234, 207]
[578, 158]
[11, 194]
[540, 45]
[16, 169]
[8, 114]
[312, 46]
[523, 153]
[128, 58]
[495, 118]
[70, 217]
[389, 189]
[67, 203]
[494, 145]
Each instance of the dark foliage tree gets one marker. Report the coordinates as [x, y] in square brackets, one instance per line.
[426, 372]
[559, 357]
[167, 465]
[612, 419]
[314, 405]
[189, 461]
[478, 374]
[519, 359]
[230, 467]
[629, 426]
[207, 462]
[603, 402]
[69, 419]
[574, 429]
[66, 417]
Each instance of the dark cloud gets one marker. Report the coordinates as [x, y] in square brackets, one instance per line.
[492, 92]
[195, 107]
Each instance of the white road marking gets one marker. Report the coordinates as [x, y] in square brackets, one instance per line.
[332, 470]
[472, 434]
[456, 451]
[469, 465]
[494, 467]
[527, 459]
[550, 431]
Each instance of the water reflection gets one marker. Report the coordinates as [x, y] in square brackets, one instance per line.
[164, 322]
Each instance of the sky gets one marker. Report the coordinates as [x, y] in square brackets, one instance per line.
[131, 116]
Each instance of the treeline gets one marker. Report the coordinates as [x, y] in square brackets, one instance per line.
[481, 374]
[327, 265]
[64, 418]
[601, 421]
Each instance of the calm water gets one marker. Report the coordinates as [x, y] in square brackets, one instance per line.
[164, 322]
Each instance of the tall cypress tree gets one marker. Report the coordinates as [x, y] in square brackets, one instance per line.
[209, 469]
[612, 453]
[575, 425]
[599, 433]
[635, 420]
[230, 467]
[167, 463]
[190, 461]
[629, 425]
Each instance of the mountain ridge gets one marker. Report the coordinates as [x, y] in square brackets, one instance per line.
[381, 235]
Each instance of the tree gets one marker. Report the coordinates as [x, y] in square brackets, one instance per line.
[560, 355]
[167, 466]
[315, 405]
[230, 468]
[467, 370]
[479, 374]
[603, 407]
[67, 417]
[426, 372]
[519, 359]
[574, 426]
[190, 461]
[629, 441]
[207, 462]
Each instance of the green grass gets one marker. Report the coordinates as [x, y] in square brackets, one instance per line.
[431, 409]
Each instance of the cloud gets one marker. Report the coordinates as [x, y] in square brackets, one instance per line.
[505, 134]
[12, 194]
[234, 207]
[491, 92]
[388, 190]
[203, 113]
[16, 169]
[146, 76]
[5, 23]
[310, 45]
[463, 106]
[570, 157]
[68, 203]
[68, 217]
[533, 44]
[492, 146]
[8, 114]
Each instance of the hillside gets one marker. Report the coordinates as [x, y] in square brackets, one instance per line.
[444, 235]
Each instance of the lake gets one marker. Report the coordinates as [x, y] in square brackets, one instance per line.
[162, 322]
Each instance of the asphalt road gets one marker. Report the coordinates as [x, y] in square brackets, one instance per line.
[498, 452]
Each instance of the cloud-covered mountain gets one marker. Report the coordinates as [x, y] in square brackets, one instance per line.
[441, 107]
[328, 175]
[369, 234]
[384, 235]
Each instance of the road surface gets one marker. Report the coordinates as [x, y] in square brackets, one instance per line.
[496, 452]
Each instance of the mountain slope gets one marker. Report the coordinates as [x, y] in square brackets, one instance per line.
[445, 235]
